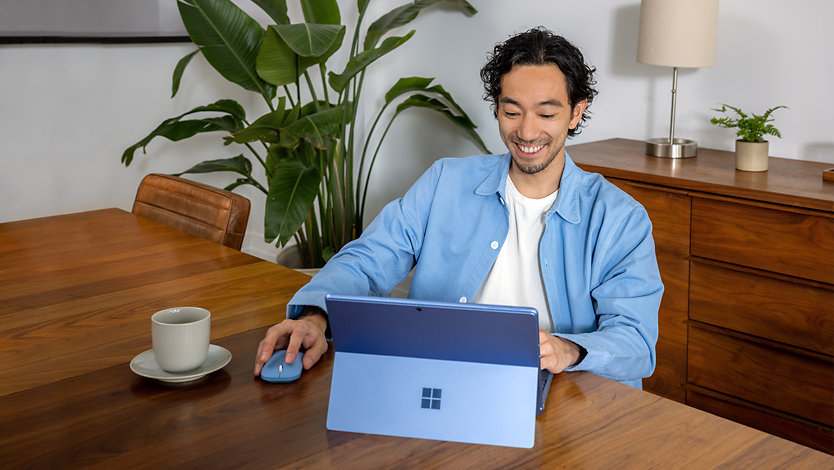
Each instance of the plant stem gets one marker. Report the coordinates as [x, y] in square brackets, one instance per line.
[312, 91]
[289, 96]
[361, 209]
[258, 156]
[362, 156]
[322, 70]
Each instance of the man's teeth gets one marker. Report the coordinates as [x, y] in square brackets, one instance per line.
[527, 149]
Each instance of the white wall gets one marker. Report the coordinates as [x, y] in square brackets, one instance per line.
[68, 111]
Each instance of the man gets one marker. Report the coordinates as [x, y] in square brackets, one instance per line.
[525, 228]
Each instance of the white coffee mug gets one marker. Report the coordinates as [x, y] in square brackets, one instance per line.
[180, 337]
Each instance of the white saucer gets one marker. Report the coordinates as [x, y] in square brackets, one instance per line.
[145, 365]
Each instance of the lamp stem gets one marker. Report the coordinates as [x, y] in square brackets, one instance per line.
[672, 148]
[674, 103]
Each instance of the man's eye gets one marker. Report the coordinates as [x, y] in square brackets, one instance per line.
[510, 114]
[548, 116]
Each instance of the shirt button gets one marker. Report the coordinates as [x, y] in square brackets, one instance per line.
[462, 300]
[494, 245]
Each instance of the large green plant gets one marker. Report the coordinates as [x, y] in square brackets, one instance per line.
[317, 171]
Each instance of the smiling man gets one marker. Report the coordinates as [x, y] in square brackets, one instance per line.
[525, 228]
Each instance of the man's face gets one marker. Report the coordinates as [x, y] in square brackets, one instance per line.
[534, 115]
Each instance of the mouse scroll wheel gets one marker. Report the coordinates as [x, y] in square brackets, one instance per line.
[280, 368]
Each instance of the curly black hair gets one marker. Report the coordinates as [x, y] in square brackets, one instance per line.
[539, 46]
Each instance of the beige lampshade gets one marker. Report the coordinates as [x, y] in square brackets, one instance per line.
[678, 33]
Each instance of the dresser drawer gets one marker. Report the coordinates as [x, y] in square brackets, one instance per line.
[787, 312]
[669, 213]
[796, 244]
[761, 374]
[814, 435]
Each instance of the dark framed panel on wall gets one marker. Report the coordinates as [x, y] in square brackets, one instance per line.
[90, 21]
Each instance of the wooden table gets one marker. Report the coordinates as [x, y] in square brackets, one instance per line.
[75, 304]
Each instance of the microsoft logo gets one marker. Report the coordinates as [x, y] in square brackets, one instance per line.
[430, 398]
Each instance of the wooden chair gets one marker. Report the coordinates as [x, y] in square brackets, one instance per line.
[199, 209]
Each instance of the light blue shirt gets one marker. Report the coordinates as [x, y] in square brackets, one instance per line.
[597, 257]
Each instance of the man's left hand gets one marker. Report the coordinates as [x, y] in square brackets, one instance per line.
[556, 353]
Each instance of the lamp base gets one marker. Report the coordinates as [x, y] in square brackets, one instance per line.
[680, 148]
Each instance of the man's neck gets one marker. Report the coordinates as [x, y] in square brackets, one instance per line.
[541, 184]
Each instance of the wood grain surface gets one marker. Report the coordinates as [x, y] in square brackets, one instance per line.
[78, 291]
[750, 255]
[112, 418]
[769, 239]
[670, 213]
[89, 301]
[788, 182]
[787, 310]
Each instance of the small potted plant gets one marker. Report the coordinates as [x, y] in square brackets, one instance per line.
[751, 148]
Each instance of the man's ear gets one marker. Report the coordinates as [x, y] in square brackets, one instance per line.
[576, 113]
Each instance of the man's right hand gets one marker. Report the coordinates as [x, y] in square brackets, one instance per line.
[292, 335]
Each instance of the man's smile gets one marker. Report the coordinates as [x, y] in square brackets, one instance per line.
[529, 150]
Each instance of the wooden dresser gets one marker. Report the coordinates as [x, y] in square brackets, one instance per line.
[747, 259]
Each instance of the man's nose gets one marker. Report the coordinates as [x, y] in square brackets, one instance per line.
[528, 128]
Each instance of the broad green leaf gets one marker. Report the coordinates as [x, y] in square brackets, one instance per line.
[362, 5]
[279, 65]
[462, 121]
[292, 191]
[463, 5]
[228, 106]
[405, 14]
[175, 129]
[178, 70]
[238, 164]
[313, 107]
[397, 17]
[317, 128]
[321, 11]
[221, 123]
[275, 154]
[307, 154]
[265, 127]
[287, 140]
[305, 62]
[308, 39]
[276, 9]
[276, 62]
[228, 38]
[363, 59]
[239, 182]
[454, 106]
[405, 85]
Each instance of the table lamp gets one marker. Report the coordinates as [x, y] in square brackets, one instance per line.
[677, 33]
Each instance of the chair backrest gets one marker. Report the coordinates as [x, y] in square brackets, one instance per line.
[199, 209]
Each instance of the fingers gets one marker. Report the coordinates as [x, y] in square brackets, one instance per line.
[275, 339]
[292, 334]
[556, 353]
[547, 355]
[296, 338]
[314, 352]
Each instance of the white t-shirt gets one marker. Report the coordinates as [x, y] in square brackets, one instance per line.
[515, 278]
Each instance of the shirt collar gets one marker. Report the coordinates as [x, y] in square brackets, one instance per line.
[567, 202]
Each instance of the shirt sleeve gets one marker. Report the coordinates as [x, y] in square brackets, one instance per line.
[626, 304]
[382, 256]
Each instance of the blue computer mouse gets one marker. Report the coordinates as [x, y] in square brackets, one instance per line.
[277, 371]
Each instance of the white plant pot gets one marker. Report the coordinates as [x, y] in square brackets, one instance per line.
[751, 156]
